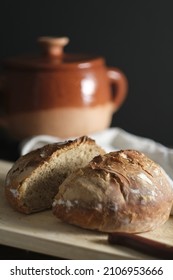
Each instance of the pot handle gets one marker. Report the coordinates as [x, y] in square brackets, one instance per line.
[119, 85]
[2, 102]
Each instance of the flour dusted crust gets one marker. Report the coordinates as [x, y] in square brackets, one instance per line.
[34, 179]
[121, 191]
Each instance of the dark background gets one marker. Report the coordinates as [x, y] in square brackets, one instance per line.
[136, 36]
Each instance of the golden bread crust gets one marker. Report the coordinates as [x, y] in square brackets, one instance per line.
[121, 191]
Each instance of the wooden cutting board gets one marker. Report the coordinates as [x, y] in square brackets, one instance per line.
[43, 233]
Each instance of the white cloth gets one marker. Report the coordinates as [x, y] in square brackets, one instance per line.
[114, 139]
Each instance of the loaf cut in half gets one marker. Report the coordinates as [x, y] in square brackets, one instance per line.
[121, 191]
[34, 178]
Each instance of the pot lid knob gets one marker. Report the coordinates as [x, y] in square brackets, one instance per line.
[53, 46]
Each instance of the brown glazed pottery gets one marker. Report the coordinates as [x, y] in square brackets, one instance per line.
[59, 94]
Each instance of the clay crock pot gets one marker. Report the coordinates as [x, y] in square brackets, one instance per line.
[59, 94]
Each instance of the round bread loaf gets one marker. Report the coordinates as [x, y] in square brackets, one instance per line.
[121, 191]
[34, 178]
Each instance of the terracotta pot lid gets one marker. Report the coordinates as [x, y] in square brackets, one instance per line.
[52, 57]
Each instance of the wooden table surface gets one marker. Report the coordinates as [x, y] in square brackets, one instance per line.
[49, 238]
